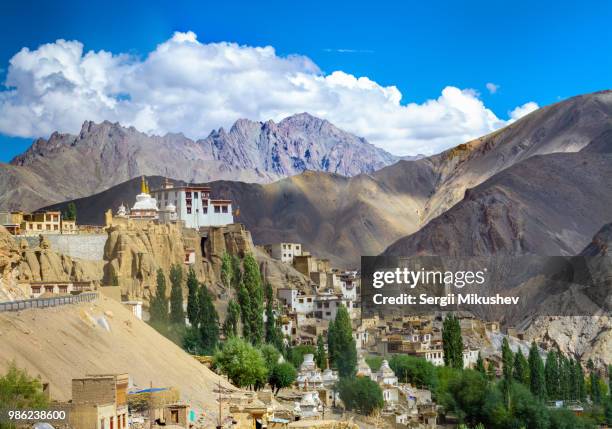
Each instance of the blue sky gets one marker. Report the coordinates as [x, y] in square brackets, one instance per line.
[534, 51]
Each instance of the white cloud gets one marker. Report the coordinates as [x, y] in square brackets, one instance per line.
[523, 110]
[492, 87]
[192, 87]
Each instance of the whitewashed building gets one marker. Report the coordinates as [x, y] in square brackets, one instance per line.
[194, 206]
[285, 252]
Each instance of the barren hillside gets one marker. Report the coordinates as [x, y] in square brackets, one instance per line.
[103, 337]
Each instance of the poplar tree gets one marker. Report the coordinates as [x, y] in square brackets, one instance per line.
[579, 381]
[270, 326]
[564, 377]
[452, 342]
[595, 392]
[159, 303]
[480, 366]
[521, 368]
[236, 272]
[244, 301]
[209, 321]
[536, 371]
[232, 319]
[507, 361]
[193, 308]
[345, 350]
[177, 314]
[227, 271]
[320, 356]
[331, 343]
[252, 282]
[551, 371]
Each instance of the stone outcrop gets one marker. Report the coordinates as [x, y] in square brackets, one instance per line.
[42, 263]
[135, 251]
[20, 263]
[581, 337]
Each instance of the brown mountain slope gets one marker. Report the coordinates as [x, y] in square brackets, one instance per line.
[103, 155]
[546, 205]
[343, 218]
[567, 126]
[334, 216]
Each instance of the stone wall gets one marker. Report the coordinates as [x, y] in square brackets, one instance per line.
[85, 246]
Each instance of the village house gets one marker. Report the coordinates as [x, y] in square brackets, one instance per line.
[100, 402]
[285, 252]
[39, 222]
[39, 288]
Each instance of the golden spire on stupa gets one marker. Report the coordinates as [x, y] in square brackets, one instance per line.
[144, 187]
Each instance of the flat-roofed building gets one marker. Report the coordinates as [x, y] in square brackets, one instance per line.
[285, 252]
[100, 402]
[194, 205]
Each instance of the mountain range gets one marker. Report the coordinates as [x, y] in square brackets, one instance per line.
[540, 185]
[67, 166]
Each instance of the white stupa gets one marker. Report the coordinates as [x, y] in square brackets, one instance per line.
[145, 206]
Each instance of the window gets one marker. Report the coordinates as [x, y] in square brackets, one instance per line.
[224, 209]
[217, 209]
[188, 210]
[205, 210]
[195, 195]
[49, 289]
[39, 226]
[188, 194]
[63, 289]
[174, 416]
[55, 227]
[35, 289]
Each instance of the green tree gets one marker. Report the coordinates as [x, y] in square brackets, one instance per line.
[320, 355]
[71, 212]
[507, 361]
[345, 350]
[177, 314]
[252, 282]
[244, 301]
[520, 371]
[243, 364]
[360, 394]
[594, 390]
[232, 319]
[227, 271]
[159, 303]
[295, 354]
[452, 342]
[273, 332]
[551, 373]
[20, 391]
[467, 395]
[193, 308]
[579, 381]
[283, 375]
[417, 371]
[480, 366]
[209, 321]
[236, 272]
[271, 356]
[536, 371]
[565, 377]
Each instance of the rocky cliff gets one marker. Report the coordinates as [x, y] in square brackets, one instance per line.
[102, 155]
[135, 251]
[22, 263]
